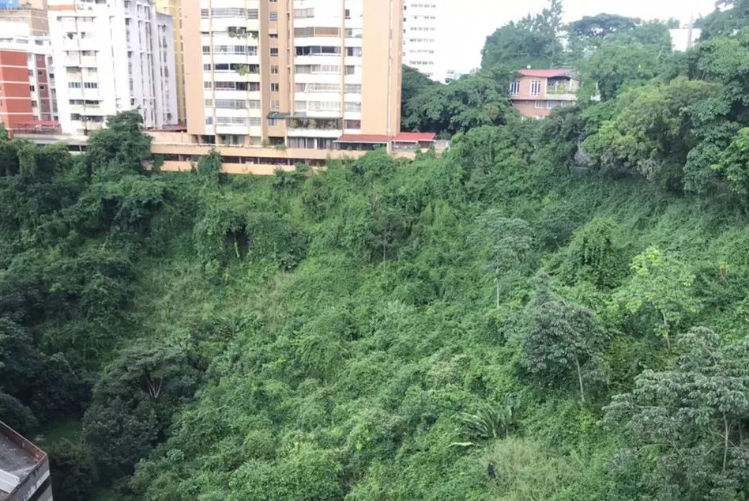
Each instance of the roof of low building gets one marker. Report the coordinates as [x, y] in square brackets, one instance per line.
[552, 73]
[364, 138]
[415, 137]
[16, 462]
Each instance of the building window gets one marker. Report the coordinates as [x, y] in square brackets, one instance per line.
[275, 105]
[274, 87]
[274, 69]
[535, 87]
[274, 16]
[209, 120]
[515, 88]
[272, 122]
[540, 105]
[274, 52]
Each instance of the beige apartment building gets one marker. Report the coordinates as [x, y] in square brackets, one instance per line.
[270, 83]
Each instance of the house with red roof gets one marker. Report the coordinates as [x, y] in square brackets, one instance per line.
[535, 93]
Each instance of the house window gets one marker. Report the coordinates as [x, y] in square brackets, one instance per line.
[515, 88]
[535, 87]
[540, 105]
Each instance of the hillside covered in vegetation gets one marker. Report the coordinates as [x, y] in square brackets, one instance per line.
[552, 310]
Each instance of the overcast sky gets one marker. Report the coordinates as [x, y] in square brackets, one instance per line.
[466, 31]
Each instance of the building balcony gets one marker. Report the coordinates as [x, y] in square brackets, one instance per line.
[324, 133]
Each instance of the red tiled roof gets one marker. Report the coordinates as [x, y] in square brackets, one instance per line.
[363, 138]
[415, 137]
[561, 72]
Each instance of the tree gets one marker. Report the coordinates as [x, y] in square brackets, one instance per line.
[119, 438]
[661, 285]
[653, 131]
[507, 242]
[472, 101]
[16, 415]
[626, 59]
[533, 41]
[133, 403]
[121, 144]
[559, 338]
[73, 470]
[595, 255]
[414, 83]
[734, 163]
[685, 427]
[728, 17]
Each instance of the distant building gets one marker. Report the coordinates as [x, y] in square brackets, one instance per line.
[112, 56]
[683, 39]
[452, 75]
[31, 12]
[24, 469]
[422, 37]
[537, 92]
[173, 8]
[26, 82]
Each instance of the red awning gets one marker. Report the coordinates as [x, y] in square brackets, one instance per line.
[363, 138]
[415, 137]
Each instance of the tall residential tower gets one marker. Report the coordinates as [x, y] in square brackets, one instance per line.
[422, 37]
[302, 74]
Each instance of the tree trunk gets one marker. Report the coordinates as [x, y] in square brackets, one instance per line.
[665, 325]
[496, 283]
[725, 442]
[580, 378]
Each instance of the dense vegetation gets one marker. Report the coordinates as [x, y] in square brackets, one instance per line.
[552, 310]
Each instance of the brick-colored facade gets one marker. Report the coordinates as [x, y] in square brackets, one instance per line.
[535, 93]
[15, 91]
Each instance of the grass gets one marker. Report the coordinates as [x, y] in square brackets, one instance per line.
[56, 432]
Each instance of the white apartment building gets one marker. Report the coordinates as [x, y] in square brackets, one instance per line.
[422, 37]
[111, 56]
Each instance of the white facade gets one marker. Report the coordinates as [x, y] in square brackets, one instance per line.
[422, 37]
[16, 36]
[683, 39]
[112, 56]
